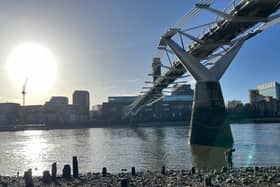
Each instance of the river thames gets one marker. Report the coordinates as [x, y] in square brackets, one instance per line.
[146, 148]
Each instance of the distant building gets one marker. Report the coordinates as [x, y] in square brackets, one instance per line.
[254, 96]
[81, 100]
[96, 112]
[9, 113]
[58, 100]
[114, 108]
[264, 100]
[270, 89]
[32, 114]
[184, 89]
[54, 109]
[234, 103]
[176, 107]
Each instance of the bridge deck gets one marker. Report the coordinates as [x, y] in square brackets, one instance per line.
[224, 31]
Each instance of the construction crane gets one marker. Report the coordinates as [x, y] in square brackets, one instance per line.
[24, 92]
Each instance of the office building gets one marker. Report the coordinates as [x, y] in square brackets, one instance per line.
[270, 89]
[82, 102]
[233, 104]
[58, 100]
[9, 113]
[31, 114]
[114, 108]
[184, 89]
[175, 107]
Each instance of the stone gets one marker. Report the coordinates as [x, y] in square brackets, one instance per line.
[224, 169]
[4, 184]
[66, 172]
[228, 180]
[270, 178]
[124, 182]
[46, 179]
[207, 181]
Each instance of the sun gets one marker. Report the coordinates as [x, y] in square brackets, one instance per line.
[34, 64]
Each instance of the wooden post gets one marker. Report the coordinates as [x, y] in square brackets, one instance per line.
[133, 172]
[193, 170]
[75, 167]
[54, 171]
[46, 177]
[66, 172]
[163, 170]
[28, 178]
[104, 172]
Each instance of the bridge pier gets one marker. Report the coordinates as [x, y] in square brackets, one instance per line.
[209, 124]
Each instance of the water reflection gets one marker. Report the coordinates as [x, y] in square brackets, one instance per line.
[207, 157]
[144, 148]
[33, 151]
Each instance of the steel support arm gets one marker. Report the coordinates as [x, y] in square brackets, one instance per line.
[223, 63]
[192, 64]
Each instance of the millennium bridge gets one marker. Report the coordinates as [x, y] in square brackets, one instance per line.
[205, 59]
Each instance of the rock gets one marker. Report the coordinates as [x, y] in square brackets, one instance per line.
[207, 181]
[46, 177]
[270, 178]
[124, 183]
[224, 169]
[228, 180]
[4, 184]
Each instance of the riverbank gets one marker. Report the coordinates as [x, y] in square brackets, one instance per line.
[251, 176]
[118, 124]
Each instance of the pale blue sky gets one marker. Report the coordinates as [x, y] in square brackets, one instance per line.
[107, 46]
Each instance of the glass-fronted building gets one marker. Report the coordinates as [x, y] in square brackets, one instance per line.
[270, 89]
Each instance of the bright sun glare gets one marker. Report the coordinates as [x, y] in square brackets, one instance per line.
[34, 63]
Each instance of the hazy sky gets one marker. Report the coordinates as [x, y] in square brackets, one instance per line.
[107, 46]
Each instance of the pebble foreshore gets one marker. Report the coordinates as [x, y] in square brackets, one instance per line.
[249, 176]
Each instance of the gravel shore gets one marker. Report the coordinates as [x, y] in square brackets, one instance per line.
[250, 176]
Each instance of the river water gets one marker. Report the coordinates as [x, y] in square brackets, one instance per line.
[121, 148]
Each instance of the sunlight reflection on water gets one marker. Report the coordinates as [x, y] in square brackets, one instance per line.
[144, 148]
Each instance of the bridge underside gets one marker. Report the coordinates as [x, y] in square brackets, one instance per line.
[209, 125]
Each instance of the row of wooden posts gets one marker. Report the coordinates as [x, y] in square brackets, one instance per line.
[66, 174]
[48, 177]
